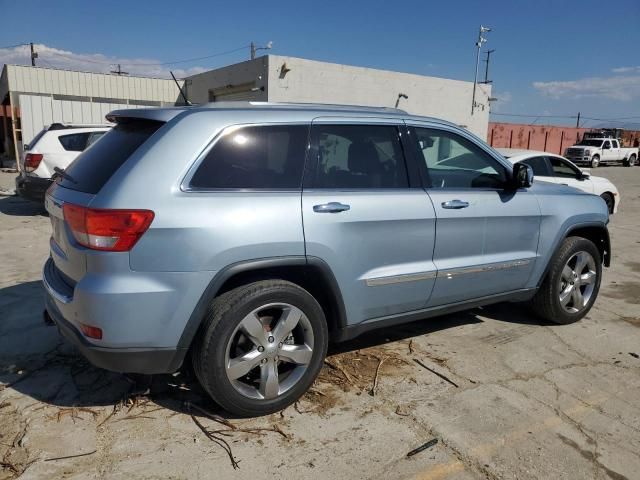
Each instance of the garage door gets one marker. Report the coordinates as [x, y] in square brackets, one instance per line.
[234, 93]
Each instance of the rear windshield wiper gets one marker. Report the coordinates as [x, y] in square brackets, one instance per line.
[64, 174]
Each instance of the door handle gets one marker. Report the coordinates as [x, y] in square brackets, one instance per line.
[455, 204]
[331, 207]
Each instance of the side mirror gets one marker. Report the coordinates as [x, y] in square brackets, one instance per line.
[585, 173]
[522, 176]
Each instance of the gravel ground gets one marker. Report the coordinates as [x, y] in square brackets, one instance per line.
[505, 395]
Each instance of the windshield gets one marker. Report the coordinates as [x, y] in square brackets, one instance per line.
[590, 143]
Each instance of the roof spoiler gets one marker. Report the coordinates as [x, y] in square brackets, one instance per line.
[153, 114]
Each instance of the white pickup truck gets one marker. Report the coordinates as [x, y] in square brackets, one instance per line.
[596, 151]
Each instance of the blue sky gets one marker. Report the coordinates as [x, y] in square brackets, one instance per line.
[552, 57]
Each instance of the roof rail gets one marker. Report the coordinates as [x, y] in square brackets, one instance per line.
[303, 105]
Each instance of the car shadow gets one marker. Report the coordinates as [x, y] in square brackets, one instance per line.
[36, 361]
[18, 206]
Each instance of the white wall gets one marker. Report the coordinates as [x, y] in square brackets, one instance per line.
[38, 111]
[251, 71]
[321, 82]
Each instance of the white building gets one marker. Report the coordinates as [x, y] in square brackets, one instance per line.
[277, 78]
[32, 97]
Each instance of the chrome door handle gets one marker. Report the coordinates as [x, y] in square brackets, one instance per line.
[331, 207]
[455, 204]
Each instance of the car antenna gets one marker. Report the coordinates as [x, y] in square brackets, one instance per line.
[180, 88]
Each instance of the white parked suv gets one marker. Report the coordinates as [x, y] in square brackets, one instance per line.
[54, 147]
[548, 167]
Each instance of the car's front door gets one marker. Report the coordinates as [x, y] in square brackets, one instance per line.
[567, 174]
[486, 234]
[367, 218]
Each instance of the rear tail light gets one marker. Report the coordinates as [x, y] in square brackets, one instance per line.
[109, 230]
[32, 161]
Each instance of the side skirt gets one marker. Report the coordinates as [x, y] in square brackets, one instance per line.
[352, 331]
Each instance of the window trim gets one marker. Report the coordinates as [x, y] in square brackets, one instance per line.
[309, 178]
[424, 171]
[185, 184]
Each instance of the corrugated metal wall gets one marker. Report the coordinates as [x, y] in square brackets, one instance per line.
[66, 82]
[38, 111]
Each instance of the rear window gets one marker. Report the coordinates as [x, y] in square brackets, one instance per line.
[75, 142]
[265, 157]
[95, 166]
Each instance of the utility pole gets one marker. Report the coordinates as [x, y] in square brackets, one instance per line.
[479, 43]
[119, 71]
[578, 121]
[486, 71]
[255, 48]
[34, 55]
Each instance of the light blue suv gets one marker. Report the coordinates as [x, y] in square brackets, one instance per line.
[246, 236]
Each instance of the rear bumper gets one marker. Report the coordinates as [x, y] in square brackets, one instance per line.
[32, 188]
[151, 360]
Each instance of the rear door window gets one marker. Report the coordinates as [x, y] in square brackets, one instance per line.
[359, 156]
[261, 157]
[94, 167]
[74, 142]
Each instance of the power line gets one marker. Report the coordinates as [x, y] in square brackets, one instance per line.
[14, 46]
[75, 56]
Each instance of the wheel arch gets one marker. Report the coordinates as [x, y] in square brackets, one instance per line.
[310, 273]
[595, 232]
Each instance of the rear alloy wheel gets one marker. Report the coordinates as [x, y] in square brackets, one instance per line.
[572, 283]
[608, 199]
[630, 162]
[261, 346]
[595, 161]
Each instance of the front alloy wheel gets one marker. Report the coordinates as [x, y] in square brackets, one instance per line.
[572, 282]
[577, 282]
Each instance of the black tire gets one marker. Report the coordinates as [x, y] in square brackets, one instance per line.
[221, 320]
[546, 302]
[608, 199]
[595, 161]
[630, 162]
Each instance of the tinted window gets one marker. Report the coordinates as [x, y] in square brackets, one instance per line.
[93, 138]
[562, 168]
[606, 144]
[454, 162]
[359, 156]
[270, 157]
[95, 166]
[75, 142]
[539, 166]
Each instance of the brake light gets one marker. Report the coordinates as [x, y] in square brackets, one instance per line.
[107, 229]
[32, 161]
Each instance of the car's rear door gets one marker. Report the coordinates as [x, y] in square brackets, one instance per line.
[367, 217]
[486, 235]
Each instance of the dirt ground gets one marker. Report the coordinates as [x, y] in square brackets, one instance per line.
[505, 395]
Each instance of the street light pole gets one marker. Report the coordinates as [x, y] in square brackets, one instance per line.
[479, 43]
[255, 48]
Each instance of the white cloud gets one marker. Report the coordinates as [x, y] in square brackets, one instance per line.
[93, 62]
[626, 70]
[618, 87]
[503, 100]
